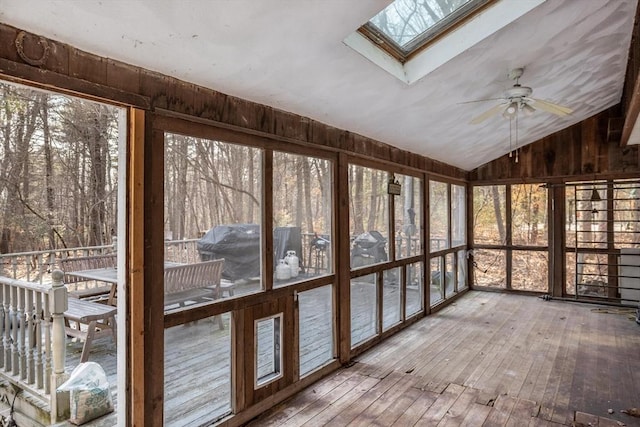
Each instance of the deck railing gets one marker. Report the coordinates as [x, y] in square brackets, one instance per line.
[36, 266]
[32, 339]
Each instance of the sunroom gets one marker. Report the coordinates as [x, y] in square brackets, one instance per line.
[356, 213]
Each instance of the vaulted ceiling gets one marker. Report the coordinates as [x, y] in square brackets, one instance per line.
[290, 54]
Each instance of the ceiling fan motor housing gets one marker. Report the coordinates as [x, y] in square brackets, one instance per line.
[518, 91]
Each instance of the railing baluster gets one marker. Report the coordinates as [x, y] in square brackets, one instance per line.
[30, 316]
[39, 337]
[6, 335]
[22, 336]
[15, 366]
[47, 345]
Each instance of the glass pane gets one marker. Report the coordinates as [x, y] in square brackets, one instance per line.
[214, 187]
[591, 274]
[415, 288]
[449, 277]
[570, 217]
[268, 347]
[462, 270]
[458, 215]
[530, 271]
[197, 372]
[302, 201]
[529, 215]
[408, 213]
[489, 213]
[591, 222]
[315, 317]
[439, 215]
[405, 20]
[364, 309]
[436, 288]
[570, 282]
[391, 297]
[626, 209]
[368, 215]
[490, 268]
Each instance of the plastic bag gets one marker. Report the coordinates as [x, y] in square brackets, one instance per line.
[90, 394]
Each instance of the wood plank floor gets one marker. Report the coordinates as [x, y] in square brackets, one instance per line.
[488, 359]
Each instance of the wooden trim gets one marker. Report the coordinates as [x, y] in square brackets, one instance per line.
[60, 83]
[135, 252]
[633, 113]
[267, 220]
[508, 220]
[426, 260]
[343, 264]
[557, 214]
[470, 237]
[209, 309]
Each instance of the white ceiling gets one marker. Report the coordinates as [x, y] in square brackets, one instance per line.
[290, 54]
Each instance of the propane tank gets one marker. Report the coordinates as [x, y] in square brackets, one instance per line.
[294, 263]
[283, 271]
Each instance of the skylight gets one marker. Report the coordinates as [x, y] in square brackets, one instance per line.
[411, 38]
[409, 24]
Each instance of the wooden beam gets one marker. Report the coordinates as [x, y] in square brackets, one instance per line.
[135, 252]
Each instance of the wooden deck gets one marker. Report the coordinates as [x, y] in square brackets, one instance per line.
[489, 359]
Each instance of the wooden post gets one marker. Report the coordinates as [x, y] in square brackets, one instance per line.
[58, 304]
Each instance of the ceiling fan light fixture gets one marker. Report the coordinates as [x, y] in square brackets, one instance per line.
[528, 109]
[510, 111]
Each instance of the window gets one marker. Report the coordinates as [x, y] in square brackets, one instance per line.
[364, 309]
[409, 24]
[315, 317]
[368, 215]
[268, 345]
[408, 217]
[302, 203]
[439, 215]
[213, 208]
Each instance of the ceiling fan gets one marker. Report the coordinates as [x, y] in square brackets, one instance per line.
[517, 99]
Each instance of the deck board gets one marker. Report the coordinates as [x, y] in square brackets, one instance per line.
[495, 360]
[490, 359]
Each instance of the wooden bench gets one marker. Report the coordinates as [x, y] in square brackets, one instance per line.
[99, 318]
[193, 283]
[95, 291]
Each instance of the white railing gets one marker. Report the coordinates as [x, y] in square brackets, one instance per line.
[32, 339]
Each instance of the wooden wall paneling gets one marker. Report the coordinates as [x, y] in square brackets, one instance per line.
[135, 253]
[589, 148]
[343, 246]
[292, 126]
[85, 66]
[122, 76]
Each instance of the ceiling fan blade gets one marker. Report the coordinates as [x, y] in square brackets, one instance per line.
[551, 107]
[491, 112]
[482, 100]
